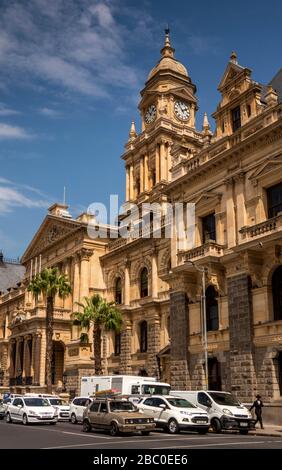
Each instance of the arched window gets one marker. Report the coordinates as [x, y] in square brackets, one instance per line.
[143, 336]
[117, 344]
[118, 291]
[144, 282]
[277, 293]
[211, 309]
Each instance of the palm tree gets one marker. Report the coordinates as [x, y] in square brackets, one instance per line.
[49, 283]
[100, 314]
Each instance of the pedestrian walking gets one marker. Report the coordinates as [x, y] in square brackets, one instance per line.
[257, 405]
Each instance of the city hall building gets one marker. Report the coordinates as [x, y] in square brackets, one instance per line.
[233, 176]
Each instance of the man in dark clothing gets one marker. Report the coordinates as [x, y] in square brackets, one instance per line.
[257, 405]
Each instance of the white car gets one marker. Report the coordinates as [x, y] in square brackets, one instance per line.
[77, 407]
[175, 414]
[31, 410]
[62, 407]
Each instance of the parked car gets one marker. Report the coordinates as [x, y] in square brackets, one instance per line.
[31, 410]
[77, 408]
[8, 398]
[2, 409]
[175, 414]
[116, 416]
[225, 411]
[62, 407]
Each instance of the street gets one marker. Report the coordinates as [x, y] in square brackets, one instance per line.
[69, 436]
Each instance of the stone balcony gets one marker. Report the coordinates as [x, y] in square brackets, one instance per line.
[40, 311]
[211, 248]
[263, 229]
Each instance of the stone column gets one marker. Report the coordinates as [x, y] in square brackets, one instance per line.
[179, 321]
[76, 280]
[67, 272]
[240, 201]
[154, 342]
[163, 175]
[24, 356]
[85, 255]
[168, 162]
[142, 174]
[146, 172]
[12, 368]
[127, 195]
[157, 163]
[36, 358]
[126, 285]
[154, 280]
[131, 183]
[230, 214]
[242, 373]
[125, 347]
[4, 364]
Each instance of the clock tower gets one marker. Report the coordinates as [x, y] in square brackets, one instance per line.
[168, 108]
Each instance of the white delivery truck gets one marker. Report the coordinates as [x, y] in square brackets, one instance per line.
[132, 385]
[224, 410]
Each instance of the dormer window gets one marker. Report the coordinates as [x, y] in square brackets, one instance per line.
[236, 118]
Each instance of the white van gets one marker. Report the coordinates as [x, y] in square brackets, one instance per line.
[224, 410]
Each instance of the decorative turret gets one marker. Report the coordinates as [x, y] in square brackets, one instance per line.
[206, 125]
[132, 133]
[233, 58]
[167, 50]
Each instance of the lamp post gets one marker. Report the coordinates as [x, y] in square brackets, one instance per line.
[204, 270]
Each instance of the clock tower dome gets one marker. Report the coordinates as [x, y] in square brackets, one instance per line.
[168, 108]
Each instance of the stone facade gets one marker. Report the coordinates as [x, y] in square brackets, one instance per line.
[232, 177]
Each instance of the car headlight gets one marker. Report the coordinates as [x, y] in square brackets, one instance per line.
[184, 412]
[32, 413]
[227, 412]
[129, 421]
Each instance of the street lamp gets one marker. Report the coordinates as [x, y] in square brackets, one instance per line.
[204, 270]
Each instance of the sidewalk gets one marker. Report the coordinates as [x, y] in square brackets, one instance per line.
[269, 430]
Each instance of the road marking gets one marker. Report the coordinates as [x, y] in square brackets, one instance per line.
[86, 435]
[213, 445]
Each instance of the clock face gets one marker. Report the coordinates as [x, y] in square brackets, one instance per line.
[182, 110]
[150, 114]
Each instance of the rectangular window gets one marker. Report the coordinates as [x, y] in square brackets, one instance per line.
[117, 344]
[236, 118]
[208, 226]
[274, 200]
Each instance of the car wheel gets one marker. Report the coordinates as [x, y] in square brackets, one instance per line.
[216, 425]
[8, 418]
[173, 427]
[86, 427]
[73, 419]
[114, 429]
[25, 420]
[145, 433]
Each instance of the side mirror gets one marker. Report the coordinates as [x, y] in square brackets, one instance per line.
[209, 403]
[163, 406]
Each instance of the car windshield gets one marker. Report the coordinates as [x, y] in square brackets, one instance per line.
[122, 406]
[36, 402]
[151, 389]
[224, 399]
[180, 403]
[57, 401]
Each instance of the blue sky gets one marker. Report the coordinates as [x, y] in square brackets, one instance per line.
[70, 76]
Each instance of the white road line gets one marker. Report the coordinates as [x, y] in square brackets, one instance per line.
[86, 435]
[212, 445]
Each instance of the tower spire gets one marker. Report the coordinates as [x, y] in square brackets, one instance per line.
[132, 133]
[167, 50]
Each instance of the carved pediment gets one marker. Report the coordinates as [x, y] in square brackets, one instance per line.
[208, 197]
[269, 166]
[51, 231]
[232, 73]
[184, 93]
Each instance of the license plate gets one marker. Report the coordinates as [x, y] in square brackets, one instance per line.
[244, 424]
[140, 427]
[64, 414]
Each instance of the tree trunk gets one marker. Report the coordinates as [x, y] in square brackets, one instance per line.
[49, 343]
[97, 350]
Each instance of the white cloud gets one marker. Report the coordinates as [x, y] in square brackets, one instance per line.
[13, 132]
[80, 46]
[4, 111]
[13, 196]
[49, 112]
